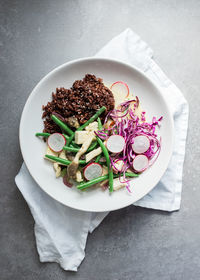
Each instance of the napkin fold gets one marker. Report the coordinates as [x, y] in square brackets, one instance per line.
[61, 232]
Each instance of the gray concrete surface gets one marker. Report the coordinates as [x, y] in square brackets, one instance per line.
[133, 243]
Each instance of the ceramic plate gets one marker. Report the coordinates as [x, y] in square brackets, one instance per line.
[33, 148]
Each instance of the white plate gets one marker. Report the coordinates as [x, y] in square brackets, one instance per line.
[33, 149]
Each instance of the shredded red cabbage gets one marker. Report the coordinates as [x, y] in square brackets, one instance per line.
[129, 125]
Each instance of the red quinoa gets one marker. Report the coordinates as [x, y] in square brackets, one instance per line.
[81, 102]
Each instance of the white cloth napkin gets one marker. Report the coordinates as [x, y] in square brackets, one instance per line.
[60, 231]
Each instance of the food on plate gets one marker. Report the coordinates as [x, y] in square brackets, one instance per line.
[141, 144]
[115, 143]
[77, 104]
[98, 136]
[120, 91]
[140, 163]
[56, 142]
[92, 170]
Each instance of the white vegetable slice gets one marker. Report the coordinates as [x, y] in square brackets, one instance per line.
[89, 156]
[56, 142]
[79, 176]
[140, 163]
[92, 171]
[120, 91]
[141, 144]
[57, 169]
[121, 88]
[115, 143]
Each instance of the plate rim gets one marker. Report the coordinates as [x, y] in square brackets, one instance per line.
[82, 60]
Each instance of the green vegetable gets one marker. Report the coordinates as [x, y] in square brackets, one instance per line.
[62, 125]
[69, 140]
[73, 144]
[110, 171]
[88, 184]
[63, 161]
[98, 158]
[93, 118]
[44, 134]
[71, 149]
[75, 150]
[92, 146]
[100, 126]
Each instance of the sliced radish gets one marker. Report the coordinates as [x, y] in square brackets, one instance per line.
[92, 170]
[56, 142]
[115, 143]
[121, 88]
[141, 144]
[140, 163]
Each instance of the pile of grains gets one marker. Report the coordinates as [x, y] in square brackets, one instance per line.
[79, 103]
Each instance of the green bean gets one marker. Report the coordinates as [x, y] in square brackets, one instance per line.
[44, 134]
[88, 184]
[100, 126]
[73, 144]
[93, 118]
[127, 174]
[98, 158]
[63, 161]
[70, 139]
[75, 150]
[110, 171]
[62, 125]
[71, 149]
[92, 146]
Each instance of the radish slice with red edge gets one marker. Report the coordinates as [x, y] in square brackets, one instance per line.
[115, 143]
[121, 88]
[92, 170]
[56, 142]
[141, 144]
[140, 163]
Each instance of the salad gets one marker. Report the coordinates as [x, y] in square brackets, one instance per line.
[108, 149]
